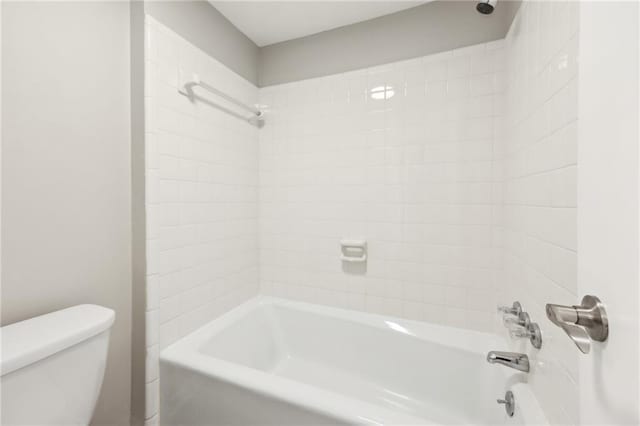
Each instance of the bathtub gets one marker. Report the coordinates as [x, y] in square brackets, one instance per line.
[277, 362]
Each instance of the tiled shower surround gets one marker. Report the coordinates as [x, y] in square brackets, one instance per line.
[540, 164]
[459, 169]
[401, 155]
[201, 198]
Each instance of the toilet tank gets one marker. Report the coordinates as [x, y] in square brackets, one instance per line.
[52, 366]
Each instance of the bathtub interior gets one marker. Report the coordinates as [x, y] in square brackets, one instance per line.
[386, 366]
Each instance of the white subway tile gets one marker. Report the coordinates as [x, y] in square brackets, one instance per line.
[202, 197]
[539, 212]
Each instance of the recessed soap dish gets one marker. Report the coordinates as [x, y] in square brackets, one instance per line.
[353, 250]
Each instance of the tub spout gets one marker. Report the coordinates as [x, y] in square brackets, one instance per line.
[513, 360]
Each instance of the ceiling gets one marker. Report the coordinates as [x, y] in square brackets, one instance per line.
[269, 22]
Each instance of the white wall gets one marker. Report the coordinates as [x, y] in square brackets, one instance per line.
[202, 198]
[66, 182]
[608, 206]
[436, 26]
[414, 175]
[540, 163]
[200, 23]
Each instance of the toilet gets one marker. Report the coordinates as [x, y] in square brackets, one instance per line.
[52, 366]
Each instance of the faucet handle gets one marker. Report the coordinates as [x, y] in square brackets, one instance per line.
[520, 320]
[514, 309]
[530, 331]
[519, 332]
[509, 320]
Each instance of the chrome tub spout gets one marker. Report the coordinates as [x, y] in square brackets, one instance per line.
[513, 360]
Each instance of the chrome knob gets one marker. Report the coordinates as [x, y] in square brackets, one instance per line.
[509, 402]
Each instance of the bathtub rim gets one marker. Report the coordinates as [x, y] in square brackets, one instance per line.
[459, 338]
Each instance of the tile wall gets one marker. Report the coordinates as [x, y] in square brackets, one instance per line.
[401, 155]
[459, 169]
[202, 198]
[539, 163]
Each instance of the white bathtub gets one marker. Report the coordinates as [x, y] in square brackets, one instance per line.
[277, 362]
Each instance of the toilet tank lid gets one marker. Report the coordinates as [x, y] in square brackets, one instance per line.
[31, 340]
